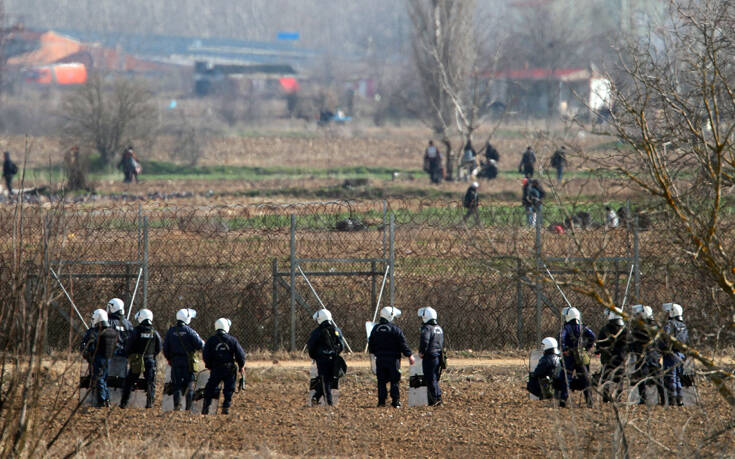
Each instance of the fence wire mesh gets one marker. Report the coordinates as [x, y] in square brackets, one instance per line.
[487, 281]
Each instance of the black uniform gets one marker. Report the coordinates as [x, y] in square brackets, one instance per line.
[325, 345]
[548, 371]
[431, 346]
[145, 342]
[611, 344]
[181, 341]
[124, 329]
[647, 360]
[224, 357]
[99, 350]
[387, 342]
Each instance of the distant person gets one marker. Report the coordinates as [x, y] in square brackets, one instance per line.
[532, 199]
[611, 218]
[469, 161]
[471, 202]
[130, 165]
[491, 153]
[9, 170]
[559, 162]
[528, 162]
[433, 163]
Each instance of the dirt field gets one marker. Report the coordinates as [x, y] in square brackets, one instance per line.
[487, 412]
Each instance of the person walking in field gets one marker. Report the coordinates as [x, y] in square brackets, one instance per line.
[673, 355]
[532, 195]
[143, 347]
[528, 162]
[469, 161]
[559, 162]
[325, 345]
[130, 165]
[99, 349]
[471, 202]
[387, 342]
[180, 344]
[431, 351]
[433, 163]
[225, 359]
[9, 171]
[576, 342]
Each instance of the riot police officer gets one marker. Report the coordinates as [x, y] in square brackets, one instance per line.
[180, 344]
[116, 314]
[143, 347]
[387, 342]
[99, 350]
[576, 341]
[325, 345]
[611, 344]
[646, 355]
[224, 357]
[547, 379]
[431, 351]
[673, 355]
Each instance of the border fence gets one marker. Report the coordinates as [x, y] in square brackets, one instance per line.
[488, 281]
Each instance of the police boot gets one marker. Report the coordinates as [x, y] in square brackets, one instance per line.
[149, 399]
[225, 410]
[205, 406]
[679, 401]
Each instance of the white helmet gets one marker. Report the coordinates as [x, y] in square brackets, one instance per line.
[475, 185]
[667, 307]
[550, 343]
[675, 311]
[572, 314]
[389, 313]
[612, 315]
[322, 315]
[647, 312]
[185, 315]
[428, 313]
[99, 316]
[143, 315]
[116, 305]
[223, 324]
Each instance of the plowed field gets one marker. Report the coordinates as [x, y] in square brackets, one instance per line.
[486, 413]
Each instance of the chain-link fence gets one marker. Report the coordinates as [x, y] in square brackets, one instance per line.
[488, 281]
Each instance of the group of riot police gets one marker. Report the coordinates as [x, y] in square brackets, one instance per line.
[387, 343]
[112, 335]
[643, 347]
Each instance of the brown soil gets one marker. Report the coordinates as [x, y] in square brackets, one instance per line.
[487, 413]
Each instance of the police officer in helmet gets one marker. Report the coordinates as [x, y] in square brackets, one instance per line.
[181, 341]
[224, 357]
[99, 350]
[325, 345]
[117, 320]
[387, 342]
[547, 379]
[611, 344]
[672, 353]
[431, 349]
[576, 342]
[144, 346]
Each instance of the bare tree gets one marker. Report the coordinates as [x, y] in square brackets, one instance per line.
[445, 54]
[108, 115]
[675, 112]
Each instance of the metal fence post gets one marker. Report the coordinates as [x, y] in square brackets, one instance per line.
[392, 261]
[636, 262]
[372, 285]
[292, 260]
[145, 262]
[274, 300]
[519, 303]
[539, 266]
[385, 223]
[140, 230]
